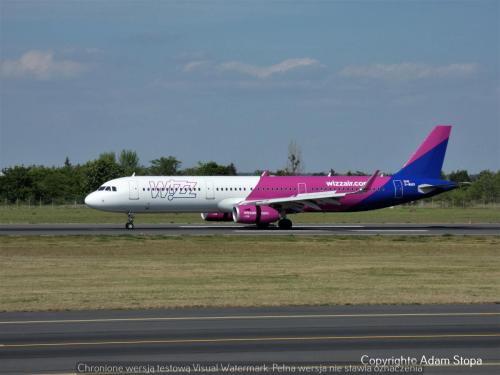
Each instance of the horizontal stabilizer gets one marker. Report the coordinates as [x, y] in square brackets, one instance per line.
[427, 188]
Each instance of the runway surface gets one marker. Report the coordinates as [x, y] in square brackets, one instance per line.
[238, 230]
[56, 342]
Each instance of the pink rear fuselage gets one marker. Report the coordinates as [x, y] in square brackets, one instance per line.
[270, 187]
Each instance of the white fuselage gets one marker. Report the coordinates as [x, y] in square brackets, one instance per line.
[172, 193]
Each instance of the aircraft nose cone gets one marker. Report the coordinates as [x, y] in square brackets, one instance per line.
[91, 200]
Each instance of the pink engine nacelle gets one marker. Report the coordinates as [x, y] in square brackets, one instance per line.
[217, 216]
[247, 214]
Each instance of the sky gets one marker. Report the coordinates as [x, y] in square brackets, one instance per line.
[357, 84]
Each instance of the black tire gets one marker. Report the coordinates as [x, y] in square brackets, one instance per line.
[285, 224]
[129, 226]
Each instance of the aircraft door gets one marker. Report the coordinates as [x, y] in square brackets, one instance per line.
[301, 188]
[398, 189]
[133, 190]
[209, 187]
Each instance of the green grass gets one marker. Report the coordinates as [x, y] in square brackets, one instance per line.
[58, 273]
[81, 214]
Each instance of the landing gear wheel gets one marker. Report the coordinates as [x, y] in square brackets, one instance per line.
[285, 224]
[130, 221]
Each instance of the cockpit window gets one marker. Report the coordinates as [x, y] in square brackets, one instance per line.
[114, 188]
[101, 188]
[108, 188]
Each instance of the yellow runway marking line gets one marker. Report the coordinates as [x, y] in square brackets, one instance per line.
[253, 317]
[249, 339]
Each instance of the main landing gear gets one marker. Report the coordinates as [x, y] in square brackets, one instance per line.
[285, 223]
[130, 221]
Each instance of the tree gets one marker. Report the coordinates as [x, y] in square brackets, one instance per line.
[16, 183]
[129, 162]
[67, 163]
[282, 172]
[99, 171]
[211, 168]
[110, 156]
[294, 162]
[459, 176]
[357, 173]
[165, 166]
[485, 187]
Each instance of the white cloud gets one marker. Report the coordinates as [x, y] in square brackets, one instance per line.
[193, 65]
[40, 65]
[251, 70]
[408, 71]
[267, 71]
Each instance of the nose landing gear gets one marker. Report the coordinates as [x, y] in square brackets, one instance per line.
[130, 221]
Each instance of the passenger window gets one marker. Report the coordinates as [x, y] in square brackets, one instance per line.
[113, 188]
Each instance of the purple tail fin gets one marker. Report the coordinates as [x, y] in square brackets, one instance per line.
[427, 161]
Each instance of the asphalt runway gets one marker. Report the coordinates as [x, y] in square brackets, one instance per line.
[59, 342]
[238, 230]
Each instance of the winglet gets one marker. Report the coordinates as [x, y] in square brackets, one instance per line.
[370, 181]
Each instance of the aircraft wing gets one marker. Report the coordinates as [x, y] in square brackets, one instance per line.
[297, 202]
[313, 200]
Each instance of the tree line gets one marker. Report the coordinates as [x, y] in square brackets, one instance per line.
[72, 182]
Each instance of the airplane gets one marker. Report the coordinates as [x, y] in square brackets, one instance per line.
[266, 199]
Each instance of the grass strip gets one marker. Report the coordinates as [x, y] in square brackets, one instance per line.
[71, 273]
[404, 214]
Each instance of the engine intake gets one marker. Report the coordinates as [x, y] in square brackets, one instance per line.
[248, 214]
[217, 216]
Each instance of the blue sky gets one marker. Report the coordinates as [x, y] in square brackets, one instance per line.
[357, 85]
